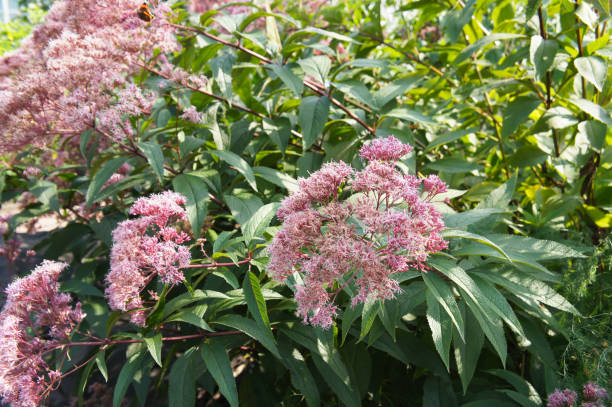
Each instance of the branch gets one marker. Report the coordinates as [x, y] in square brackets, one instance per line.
[315, 87]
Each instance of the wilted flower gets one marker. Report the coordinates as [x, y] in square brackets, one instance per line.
[389, 225]
[36, 318]
[145, 247]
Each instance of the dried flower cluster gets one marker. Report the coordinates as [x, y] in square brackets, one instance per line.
[344, 227]
[36, 318]
[74, 69]
[592, 394]
[146, 247]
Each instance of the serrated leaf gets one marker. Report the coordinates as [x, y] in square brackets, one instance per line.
[356, 90]
[289, 78]
[368, 315]
[337, 383]
[301, 378]
[411, 115]
[260, 220]
[239, 164]
[594, 110]
[467, 352]
[46, 192]
[182, 381]
[317, 67]
[277, 178]
[196, 193]
[483, 42]
[103, 174]
[392, 90]
[190, 318]
[126, 376]
[218, 364]
[251, 328]
[593, 69]
[101, 362]
[516, 113]
[443, 294]
[255, 300]
[155, 157]
[154, 346]
[313, 114]
[475, 237]
[441, 328]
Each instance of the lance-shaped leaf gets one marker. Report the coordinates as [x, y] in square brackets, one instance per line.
[155, 157]
[218, 364]
[239, 164]
[196, 193]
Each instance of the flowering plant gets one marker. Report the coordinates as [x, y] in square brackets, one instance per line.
[278, 203]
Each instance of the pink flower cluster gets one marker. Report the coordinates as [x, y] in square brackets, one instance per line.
[593, 396]
[144, 247]
[34, 306]
[344, 227]
[73, 71]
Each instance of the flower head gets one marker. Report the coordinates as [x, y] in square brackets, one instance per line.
[34, 305]
[145, 247]
[385, 228]
[593, 392]
[562, 398]
[385, 149]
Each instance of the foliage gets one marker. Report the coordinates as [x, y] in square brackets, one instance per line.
[507, 102]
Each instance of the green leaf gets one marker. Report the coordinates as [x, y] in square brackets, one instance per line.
[221, 68]
[501, 196]
[182, 383]
[126, 376]
[410, 115]
[349, 316]
[368, 315]
[243, 206]
[190, 318]
[467, 352]
[279, 131]
[289, 78]
[255, 300]
[277, 178]
[444, 295]
[103, 174]
[260, 220]
[587, 15]
[453, 165]
[84, 377]
[527, 156]
[317, 67]
[251, 328]
[483, 42]
[46, 192]
[80, 287]
[594, 110]
[593, 69]
[466, 218]
[520, 384]
[595, 133]
[448, 138]
[301, 378]
[542, 54]
[475, 237]
[312, 118]
[441, 328]
[516, 113]
[357, 90]
[337, 383]
[532, 8]
[101, 362]
[221, 139]
[154, 345]
[196, 193]
[155, 157]
[239, 164]
[492, 326]
[218, 364]
[392, 90]
[499, 304]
